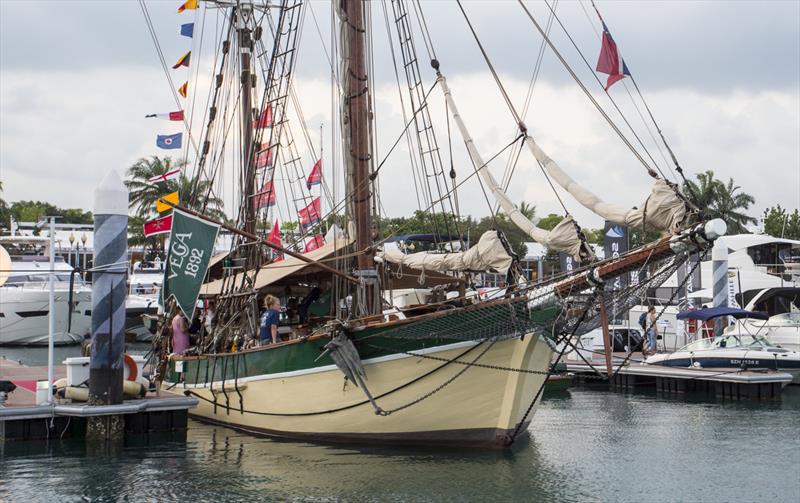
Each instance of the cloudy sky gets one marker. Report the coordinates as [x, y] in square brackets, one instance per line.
[722, 79]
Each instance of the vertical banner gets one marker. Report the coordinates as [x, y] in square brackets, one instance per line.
[191, 244]
[615, 243]
[566, 261]
[693, 283]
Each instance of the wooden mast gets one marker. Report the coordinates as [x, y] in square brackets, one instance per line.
[357, 110]
[243, 12]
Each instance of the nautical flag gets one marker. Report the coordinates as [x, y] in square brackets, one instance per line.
[169, 198]
[314, 243]
[169, 175]
[188, 5]
[311, 214]
[275, 238]
[184, 61]
[159, 225]
[263, 158]
[169, 141]
[315, 177]
[610, 61]
[187, 30]
[265, 120]
[266, 197]
[173, 116]
[183, 90]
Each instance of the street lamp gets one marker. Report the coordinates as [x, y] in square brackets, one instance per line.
[83, 243]
[71, 243]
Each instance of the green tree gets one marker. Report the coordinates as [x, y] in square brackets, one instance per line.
[143, 193]
[721, 200]
[780, 223]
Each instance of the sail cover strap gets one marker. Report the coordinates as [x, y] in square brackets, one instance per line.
[562, 238]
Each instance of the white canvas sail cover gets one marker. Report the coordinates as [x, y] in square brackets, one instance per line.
[662, 211]
[488, 254]
[562, 238]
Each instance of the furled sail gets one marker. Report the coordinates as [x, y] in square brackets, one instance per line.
[562, 238]
[488, 254]
[664, 210]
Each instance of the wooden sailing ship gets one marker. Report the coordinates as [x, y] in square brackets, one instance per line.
[449, 369]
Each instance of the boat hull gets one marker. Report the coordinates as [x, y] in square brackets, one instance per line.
[25, 316]
[788, 361]
[469, 405]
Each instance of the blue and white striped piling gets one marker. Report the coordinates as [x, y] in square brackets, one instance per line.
[109, 290]
[719, 280]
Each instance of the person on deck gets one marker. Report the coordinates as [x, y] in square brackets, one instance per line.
[180, 334]
[269, 320]
[309, 299]
[652, 330]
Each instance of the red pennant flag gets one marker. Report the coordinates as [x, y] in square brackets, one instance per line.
[610, 61]
[264, 158]
[158, 226]
[311, 214]
[314, 243]
[265, 120]
[315, 177]
[266, 196]
[275, 238]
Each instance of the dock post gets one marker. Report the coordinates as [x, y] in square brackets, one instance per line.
[108, 292]
[719, 274]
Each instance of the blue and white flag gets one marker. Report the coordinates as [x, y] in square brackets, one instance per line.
[169, 141]
[187, 30]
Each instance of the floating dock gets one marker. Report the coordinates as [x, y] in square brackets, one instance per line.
[22, 419]
[725, 383]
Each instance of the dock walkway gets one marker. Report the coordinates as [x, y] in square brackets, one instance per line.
[22, 419]
[725, 383]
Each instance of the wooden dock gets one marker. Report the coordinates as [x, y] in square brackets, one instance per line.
[725, 383]
[22, 419]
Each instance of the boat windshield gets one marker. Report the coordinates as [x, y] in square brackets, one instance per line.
[786, 318]
[728, 341]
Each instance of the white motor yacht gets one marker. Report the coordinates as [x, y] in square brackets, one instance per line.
[144, 283]
[783, 306]
[24, 295]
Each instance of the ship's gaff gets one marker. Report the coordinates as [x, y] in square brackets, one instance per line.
[562, 238]
[664, 210]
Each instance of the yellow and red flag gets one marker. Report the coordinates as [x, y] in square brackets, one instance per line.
[184, 89]
[188, 5]
[169, 198]
[184, 61]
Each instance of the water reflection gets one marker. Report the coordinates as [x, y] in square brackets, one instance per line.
[586, 446]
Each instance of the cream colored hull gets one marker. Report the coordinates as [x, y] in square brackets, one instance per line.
[481, 406]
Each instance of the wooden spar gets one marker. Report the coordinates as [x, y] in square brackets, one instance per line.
[629, 262]
[357, 106]
[248, 152]
[606, 338]
[265, 242]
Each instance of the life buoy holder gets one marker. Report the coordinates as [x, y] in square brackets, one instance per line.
[133, 369]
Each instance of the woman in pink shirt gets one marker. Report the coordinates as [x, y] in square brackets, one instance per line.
[180, 334]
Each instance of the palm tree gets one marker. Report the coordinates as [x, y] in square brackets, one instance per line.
[730, 201]
[527, 209]
[720, 200]
[143, 193]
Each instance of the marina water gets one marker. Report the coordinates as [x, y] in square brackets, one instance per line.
[586, 445]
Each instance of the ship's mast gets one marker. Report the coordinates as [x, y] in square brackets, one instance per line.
[357, 117]
[243, 13]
